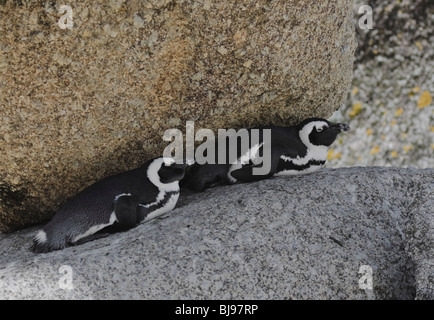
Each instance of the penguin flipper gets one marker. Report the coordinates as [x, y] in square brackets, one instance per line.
[41, 247]
[204, 176]
[245, 174]
[125, 209]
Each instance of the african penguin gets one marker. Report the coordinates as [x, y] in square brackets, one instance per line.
[316, 135]
[297, 149]
[116, 203]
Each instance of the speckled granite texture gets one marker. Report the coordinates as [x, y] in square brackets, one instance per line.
[79, 104]
[390, 106]
[303, 237]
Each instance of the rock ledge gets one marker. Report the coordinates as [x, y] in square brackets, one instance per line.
[301, 237]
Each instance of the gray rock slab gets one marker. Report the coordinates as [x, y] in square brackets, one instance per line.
[327, 235]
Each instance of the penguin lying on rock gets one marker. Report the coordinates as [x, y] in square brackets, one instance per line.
[295, 150]
[116, 203]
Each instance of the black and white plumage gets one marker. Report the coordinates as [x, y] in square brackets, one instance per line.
[316, 136]
[297, 149]
[116, 203]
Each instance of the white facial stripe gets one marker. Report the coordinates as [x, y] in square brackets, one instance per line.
[96, 228]
[313, 152]
[307, 129]
[163, 188]
[168, 161]
[153, 176]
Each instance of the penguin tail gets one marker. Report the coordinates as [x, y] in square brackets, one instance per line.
[41, 243]
[37, 247]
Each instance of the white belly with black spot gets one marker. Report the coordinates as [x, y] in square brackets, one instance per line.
[313, 161]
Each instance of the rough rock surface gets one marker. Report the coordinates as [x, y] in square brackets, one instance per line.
[390, 106]
[79, 104]
[303, 237]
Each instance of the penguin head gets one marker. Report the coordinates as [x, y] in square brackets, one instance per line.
[165, 173]
[320, 132]
[171, 171]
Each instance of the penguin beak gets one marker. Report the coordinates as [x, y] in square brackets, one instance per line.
[341, 127]
[344, 127]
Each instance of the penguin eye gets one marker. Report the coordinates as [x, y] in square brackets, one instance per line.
[319, 129]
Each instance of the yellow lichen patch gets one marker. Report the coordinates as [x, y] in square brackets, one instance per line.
[404, 135]
[375, 150]
[356, 109]
[413, 91]
[369, 132]
[394, 154]
[355, 90]
[419, 45]
[424, 100]
[407, 148]
[393, 123]
[432, 146]
[332, 155]
[432, 129]
[399, 112]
